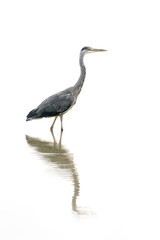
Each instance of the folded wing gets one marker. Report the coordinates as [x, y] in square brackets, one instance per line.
[53, 106]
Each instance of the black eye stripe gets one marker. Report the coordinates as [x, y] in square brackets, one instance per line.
[85, 48]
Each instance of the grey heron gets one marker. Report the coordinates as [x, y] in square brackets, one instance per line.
[61, 102]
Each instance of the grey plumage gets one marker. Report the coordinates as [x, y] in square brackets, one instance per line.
[55, 105]
[60, 103]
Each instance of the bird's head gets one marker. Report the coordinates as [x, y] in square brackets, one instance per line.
[85, 50]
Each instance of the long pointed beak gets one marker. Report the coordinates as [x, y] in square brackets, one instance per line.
[98, 50]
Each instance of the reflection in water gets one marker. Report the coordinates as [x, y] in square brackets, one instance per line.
[60, 157]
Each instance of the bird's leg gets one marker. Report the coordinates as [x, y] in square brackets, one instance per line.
[54, 139]
[60, 140]
[51, 128]
[61, 117]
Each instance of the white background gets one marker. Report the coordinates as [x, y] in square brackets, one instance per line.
[113, 131]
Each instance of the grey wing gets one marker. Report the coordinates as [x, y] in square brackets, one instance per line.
[55, 105]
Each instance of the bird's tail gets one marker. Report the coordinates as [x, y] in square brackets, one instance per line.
[32, 115]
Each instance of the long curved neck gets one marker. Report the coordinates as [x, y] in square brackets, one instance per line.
[79, 83]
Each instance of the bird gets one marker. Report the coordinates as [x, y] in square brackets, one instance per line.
[60, 103]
